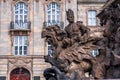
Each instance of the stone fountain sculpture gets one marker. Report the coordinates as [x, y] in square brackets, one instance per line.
[71, 56]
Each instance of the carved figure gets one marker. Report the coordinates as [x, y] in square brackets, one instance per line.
[71, 56]
[72, 29]
[77, 32]
[110, 65]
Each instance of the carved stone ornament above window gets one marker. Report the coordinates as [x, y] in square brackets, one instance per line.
[37, 0]
[4, 0]
[52, 0]
[20, 0]
[49, 1]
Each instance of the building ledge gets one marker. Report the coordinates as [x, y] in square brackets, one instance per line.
[19, 57]
[91, 1]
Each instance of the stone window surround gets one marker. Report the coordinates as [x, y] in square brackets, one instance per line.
[16, 62]
[91, 8]
[49, 17]
[12, 44]
[47, 2]
[20, 42]
[21, 17]
[16, 2]
[92, 18]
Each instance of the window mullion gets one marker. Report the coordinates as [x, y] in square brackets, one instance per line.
[19, 13]
[18, 45]
[23, 17]
[22, 45]
[91, 21]
[55, 13]
[51, 14]
[14, 45]
[16, 39]
[23, 13]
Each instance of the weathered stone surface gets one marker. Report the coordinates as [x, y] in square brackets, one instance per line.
[71, 57]
[37, 46]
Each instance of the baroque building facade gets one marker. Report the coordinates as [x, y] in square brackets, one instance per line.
[22, 49]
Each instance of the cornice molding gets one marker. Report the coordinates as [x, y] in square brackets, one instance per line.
[20, 0]
[91, 1]
[46, 2]
[21, 57]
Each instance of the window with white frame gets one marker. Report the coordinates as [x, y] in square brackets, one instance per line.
[20, 16]
[53, 14]
[20, 45]
[53, 18]
[49, 49]
[92, 18]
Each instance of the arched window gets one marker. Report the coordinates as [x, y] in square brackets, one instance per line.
[53, 14]
[20, 74]
[53, 18]
[20, 16]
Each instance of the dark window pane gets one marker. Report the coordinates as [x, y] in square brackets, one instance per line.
[48, 20]
[2, 78]
[25, 12]
[16, 21]
[53, 10]
[49, 52]
[25, 48]
[16, 52]
[16, 12]
[36, 77]
[48, 12]
[16, 17]
[16, 7]
[20, 52]
[21, 17]
[49, 47]
[16, 48]
[25, 52]
[25, 18]
[21, 5]
[21, 11]
[20, 47]
[25, 7]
